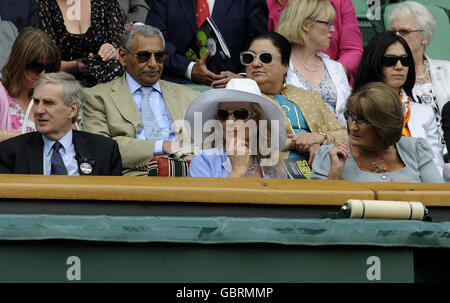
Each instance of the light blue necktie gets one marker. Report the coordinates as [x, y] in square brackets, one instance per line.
[152, 130]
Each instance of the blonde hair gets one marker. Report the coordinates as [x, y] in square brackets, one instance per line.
[297, 12]
[31, 44]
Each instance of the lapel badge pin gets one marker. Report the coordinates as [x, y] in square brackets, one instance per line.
[86, 168]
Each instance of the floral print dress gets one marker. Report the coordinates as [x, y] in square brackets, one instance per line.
[18, 116]
[107, 26]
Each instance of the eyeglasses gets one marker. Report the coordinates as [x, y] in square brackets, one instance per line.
[248, 57]
[405, 32]
[391, 60]
[144, 56]
[327, 23]
[37, 67]
[238, 114]
[360, 122]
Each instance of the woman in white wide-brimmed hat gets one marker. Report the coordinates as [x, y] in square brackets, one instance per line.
[241, 132]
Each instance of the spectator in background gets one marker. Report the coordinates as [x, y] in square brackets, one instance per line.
[22, 13]
[238, 21]
[239, 108]
[55, 149]
[376, 150]
[134, 10]
[346, 41]
[121, 109]
[416, 25]
[388, 58]
[310, 121]
[307, 24]
[87, 34]
[446, 133]
[32, 55]
[8, 34]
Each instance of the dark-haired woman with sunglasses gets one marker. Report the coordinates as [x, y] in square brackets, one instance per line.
[309, 122]
[32, 55]
[308, 25]
[388, 58]
[414, 22]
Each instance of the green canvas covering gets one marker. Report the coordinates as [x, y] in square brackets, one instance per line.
[225, 230]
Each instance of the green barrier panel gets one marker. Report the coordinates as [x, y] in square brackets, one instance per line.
[83, 261]
[64, 248]
[216, 230]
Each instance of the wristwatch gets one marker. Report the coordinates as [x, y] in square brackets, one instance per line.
[325, 136]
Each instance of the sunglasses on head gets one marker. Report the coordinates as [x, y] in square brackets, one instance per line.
[238, 114]
[248, 57]
[391, 60]
[144, 56]
[37, 67]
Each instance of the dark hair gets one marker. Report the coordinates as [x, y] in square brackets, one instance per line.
[31, 44]
[280, 42]
[370, 68]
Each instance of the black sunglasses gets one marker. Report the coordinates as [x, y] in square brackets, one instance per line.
[238, 114]
[391, 60]
[37, 67]
[144, 56]
[248, 57]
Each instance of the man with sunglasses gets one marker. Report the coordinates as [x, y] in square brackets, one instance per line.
[238, 21]
[139, 110]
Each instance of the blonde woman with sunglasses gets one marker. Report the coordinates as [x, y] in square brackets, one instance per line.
[308, 25]
[309, 122]
[32, 55]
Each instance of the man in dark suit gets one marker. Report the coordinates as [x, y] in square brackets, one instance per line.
[238, 21]
[56, 149]
[22, 13]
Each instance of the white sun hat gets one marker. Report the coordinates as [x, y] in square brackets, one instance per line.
[237, 90]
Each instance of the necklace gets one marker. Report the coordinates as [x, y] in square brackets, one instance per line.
[251, 170]
[369, 164]
[313, 70]
[425, 76]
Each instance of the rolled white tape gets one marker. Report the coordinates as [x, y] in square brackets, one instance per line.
[376, 209]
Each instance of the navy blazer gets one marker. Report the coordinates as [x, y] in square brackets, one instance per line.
[22, 13]
[238, 20]
[24, 154]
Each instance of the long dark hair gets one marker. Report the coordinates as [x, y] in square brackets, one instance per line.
[371, 68]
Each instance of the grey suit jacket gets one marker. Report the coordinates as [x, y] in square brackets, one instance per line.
[134, 10]
[8, 33]
[111, 111]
